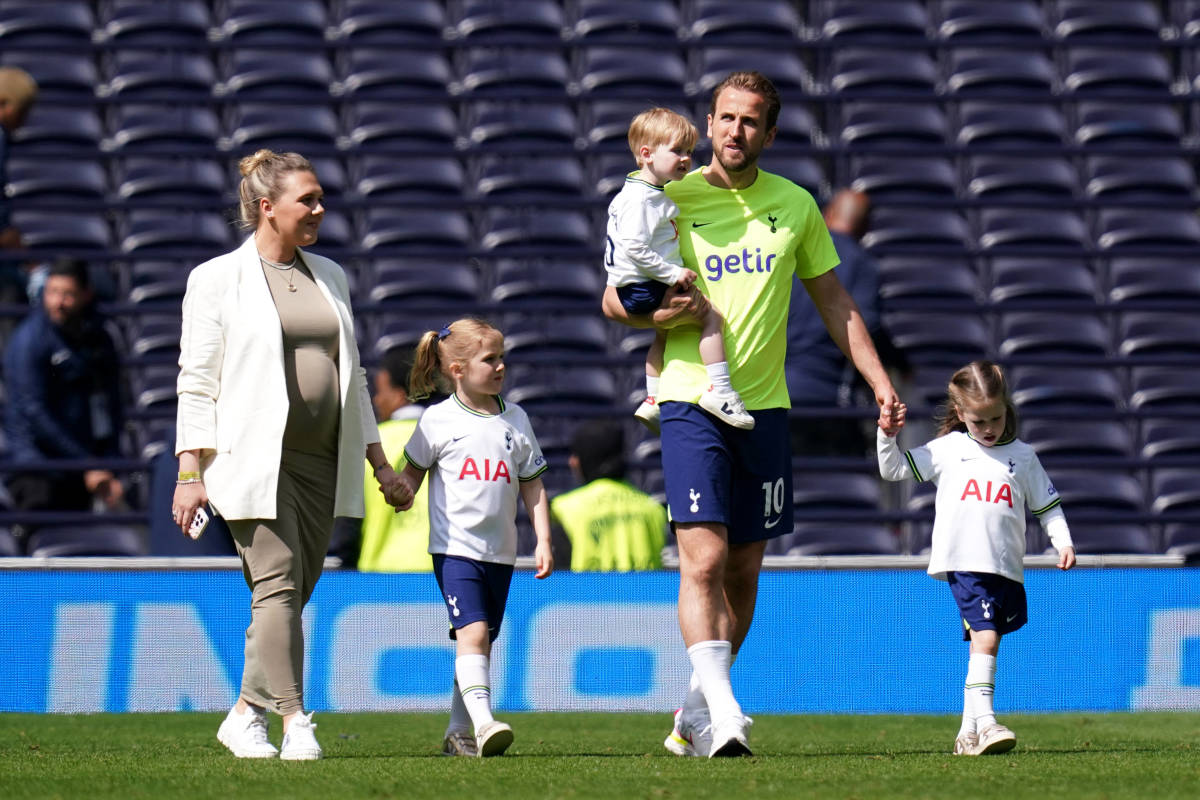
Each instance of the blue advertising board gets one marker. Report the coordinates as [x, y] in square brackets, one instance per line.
[867, 641]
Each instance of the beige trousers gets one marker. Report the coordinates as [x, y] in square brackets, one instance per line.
[282, 560]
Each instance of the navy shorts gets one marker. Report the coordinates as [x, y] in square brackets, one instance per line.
[642, 298]
[988, 602]
[473, 591]
[717, 473]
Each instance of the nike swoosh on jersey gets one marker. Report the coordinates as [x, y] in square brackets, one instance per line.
[700, 224]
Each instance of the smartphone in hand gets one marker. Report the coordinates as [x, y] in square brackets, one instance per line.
[199, 522]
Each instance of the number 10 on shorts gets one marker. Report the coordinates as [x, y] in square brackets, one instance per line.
[772, 498]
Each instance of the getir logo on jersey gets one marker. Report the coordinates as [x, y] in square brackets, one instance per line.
[740, 260]
[1003, 492]
[490, 472]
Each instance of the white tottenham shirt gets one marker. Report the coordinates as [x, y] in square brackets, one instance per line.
[643, 241]
[982, 493]
[474, 463]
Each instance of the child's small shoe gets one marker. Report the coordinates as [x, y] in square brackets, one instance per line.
[966, 744]
[648, 414]
[995, 739]
[493, 738]
[727, 407]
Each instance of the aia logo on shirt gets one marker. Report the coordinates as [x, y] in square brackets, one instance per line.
[1003, 492]
[470, 468]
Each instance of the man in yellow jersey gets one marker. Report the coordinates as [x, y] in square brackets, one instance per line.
[394, 542]
[610, 525]
[746, 232]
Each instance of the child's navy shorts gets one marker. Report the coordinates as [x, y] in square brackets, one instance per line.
[988, 602]
[473, 591]
[642, 298]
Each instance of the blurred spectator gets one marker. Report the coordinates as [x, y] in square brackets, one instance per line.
[17, 93]
[61, 372]
[820, 376]
[387, 541]
[607, 524]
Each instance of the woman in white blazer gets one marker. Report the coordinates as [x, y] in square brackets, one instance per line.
[274, 418]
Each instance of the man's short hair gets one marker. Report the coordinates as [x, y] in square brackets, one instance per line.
[657, 126]
[17, 87]
[754, 82]
[397, 363]
[72, 268]
[600, 447]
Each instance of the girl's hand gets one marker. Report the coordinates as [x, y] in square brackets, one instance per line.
[543, 560]
[1066, 559]
[395, 490]
[891, 417]
[188, 497]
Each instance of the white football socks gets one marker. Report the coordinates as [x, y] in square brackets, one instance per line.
[652, 386]
[475, 687]
[710, 664]
[460, 718]
[977, 693]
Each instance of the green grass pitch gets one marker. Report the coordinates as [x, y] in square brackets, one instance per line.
[574, 755]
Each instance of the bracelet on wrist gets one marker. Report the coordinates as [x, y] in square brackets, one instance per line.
[186, 481]
[191, 475]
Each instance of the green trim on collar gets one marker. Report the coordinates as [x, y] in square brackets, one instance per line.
[632, 178]
[463, 406]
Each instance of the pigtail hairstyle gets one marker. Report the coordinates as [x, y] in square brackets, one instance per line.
[979, 382]
[438, 350]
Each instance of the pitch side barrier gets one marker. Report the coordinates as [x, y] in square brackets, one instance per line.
[869, 634]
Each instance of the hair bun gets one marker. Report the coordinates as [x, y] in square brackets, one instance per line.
[250, 163]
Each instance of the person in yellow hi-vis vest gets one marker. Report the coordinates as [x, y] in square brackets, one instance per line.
[609, 524]
[394, 542]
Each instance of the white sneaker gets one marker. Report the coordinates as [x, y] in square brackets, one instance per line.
[995, 739]
[648, 414]
[458, 743]
[727, 407]
[299, 743]
[493, 738]
[246, 734]
[731, 737]
[966, 744]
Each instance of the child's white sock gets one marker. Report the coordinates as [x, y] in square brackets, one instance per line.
[977, 693]
[475, 687]
[710, 662]
[718, 375]
[460, 718]
[651, 386]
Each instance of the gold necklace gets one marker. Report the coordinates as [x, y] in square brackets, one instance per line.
[289, 267]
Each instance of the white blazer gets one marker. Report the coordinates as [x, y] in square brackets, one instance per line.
[233, 402]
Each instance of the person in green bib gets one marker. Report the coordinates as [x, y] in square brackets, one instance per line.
[746, 233]
[609, 525]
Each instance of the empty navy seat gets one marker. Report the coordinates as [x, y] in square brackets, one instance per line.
[154, 334]
[389, 229]
[97, 539]
[1013, 21]
[994, 123]
[553, 337]
[1098, 491]
[866, 123]
[56, 128]
[518, 125]
[1104, 123]
[605, 70]
[282, 127]
[1062, 281]
[59, 179]
[761, 22]
[1182, 539]
[54, 24]
[143, 128]
[1059, 438]
[336, 233]
[1117, 70]
[539, 178]
[1065, 387]
[387, 178]
[547, 281]
[647, 21]
[817, 539]
[179, 23]
[1164, 439]
[250, 74]
[377, 72]
[419, 282]
[183, 181]
[1092, 538]
[591, 389]
[388, 23]
[949, 340]
[157, 281]
[904, 226]
[153, 387]
[487, 21]
[924, 278]
[53, 230]
[1117, 178]
[1131, 20]
[511, 72]
[1134, 279]
[61, 77]
[1053, 334]
[155, 229]
[296, 23]
[1011, 228]
[861, 20]
[817, 492]
[1003, 177]
[373, 124]
[1175, 490]
[893, 179]
[1128, 228]
[141, 75]
[1150, 334]
[786, 70]
[608, 171]
[873, 70]
[526, 228]
[796, 125]
[605, 121]
[996, 71]
[1164, 389]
